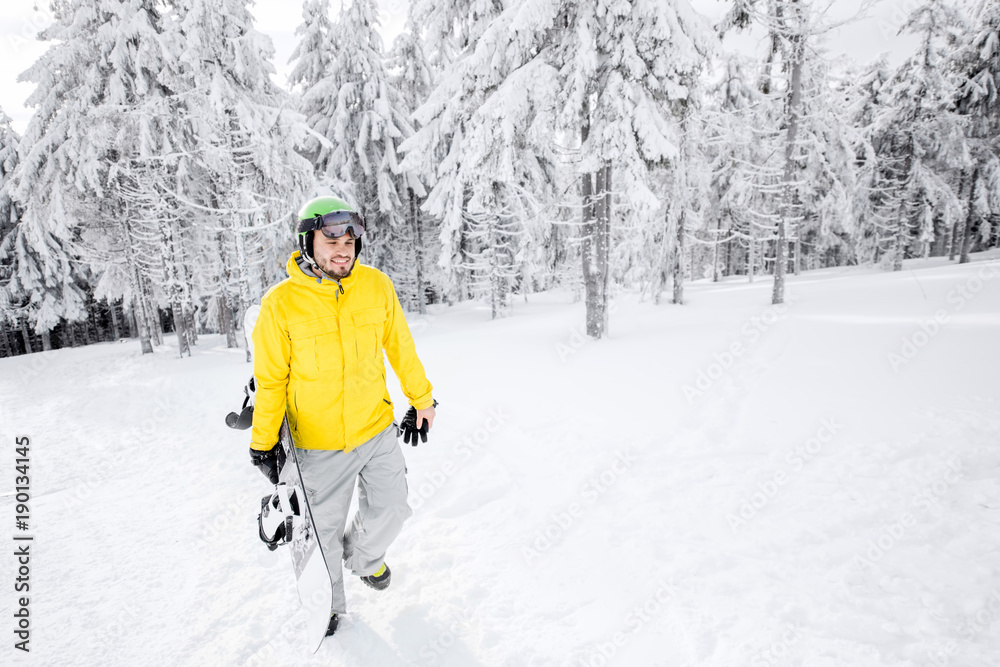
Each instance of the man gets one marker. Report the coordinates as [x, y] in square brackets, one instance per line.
[318, 346]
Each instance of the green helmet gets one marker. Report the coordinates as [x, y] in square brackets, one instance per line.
[311, 218]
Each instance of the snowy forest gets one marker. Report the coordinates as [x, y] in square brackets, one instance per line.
[497, 148]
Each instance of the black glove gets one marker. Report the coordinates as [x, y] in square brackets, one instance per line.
[409, 426]
[269, 462]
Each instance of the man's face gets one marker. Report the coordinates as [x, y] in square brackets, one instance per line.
[334, 256]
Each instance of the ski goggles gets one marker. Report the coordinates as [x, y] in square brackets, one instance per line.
[336, 224]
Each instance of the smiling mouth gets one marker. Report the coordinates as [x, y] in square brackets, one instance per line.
[341, 260]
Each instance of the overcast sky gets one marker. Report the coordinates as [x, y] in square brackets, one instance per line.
[20, 22]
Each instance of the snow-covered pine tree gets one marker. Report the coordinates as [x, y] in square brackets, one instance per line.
[874, 198]
[81, 142]
[363, 118]
[977, 67]
[505, 92]
[627, 73]
[826, 177]
[449, 34]
[623, 72]
[313, 55]
[241, 179]
[788, 25]
[923, 139]
[149, 229]
[11, 318]
[740, 135]
[684, 194]
[814, 147]
[412, 76]
[449, 31]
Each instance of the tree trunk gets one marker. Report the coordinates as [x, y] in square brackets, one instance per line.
[664, 262]
[246, 298]
[781, 247]
[953, 247]
[152, 324]
[715, 254]
[174, 285]
[680, 176]
[139, 307]
[588, 256]
[729, 247]
[593, 244]
[751, 253]
[900, 241]
[797, 264]
[7, 351]
[970, 218]
[940, 236]
[902, 226]
[679, 263]
[192, 326]
[226, 324]
[47, 340]
[605, 251]
[141, 323]
[418, 254]
[788, 194]
[115, 326]
[180, 328]
[91, 323]
[76, 333]
[597, 293]
[155, 324]
[25, 336]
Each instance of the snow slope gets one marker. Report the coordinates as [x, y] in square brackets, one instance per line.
[724, 483]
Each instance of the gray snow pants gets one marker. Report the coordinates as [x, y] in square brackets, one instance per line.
[329, 477]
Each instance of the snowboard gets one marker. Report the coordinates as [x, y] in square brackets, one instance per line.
[285, 519]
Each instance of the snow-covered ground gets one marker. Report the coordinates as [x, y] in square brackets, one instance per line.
[724, 483]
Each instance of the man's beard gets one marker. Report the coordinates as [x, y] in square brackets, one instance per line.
[334, 276]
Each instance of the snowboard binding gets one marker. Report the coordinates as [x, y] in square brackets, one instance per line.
[280, 516]
[244, 419]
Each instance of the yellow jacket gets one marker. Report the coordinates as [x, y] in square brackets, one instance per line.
[318, 357]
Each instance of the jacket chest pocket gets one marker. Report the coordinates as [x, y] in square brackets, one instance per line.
[368, 326]
[327, 351]
[316, 345]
